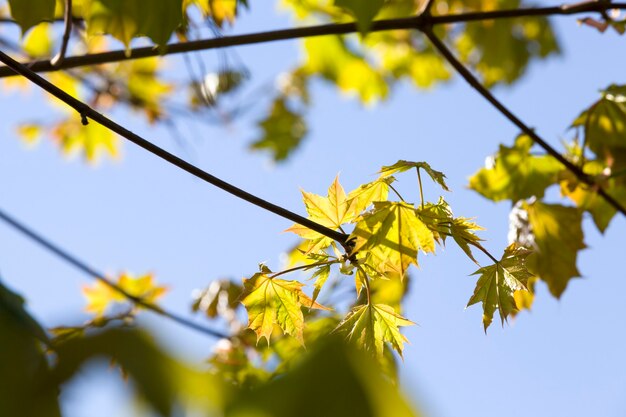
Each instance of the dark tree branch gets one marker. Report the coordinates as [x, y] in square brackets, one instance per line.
[416, 22]
[486, 94]
[92, 273]
[87, 112]
[57, 61]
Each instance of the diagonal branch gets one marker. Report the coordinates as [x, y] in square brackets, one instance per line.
[415, 22]
[486, 94]
[87, 112]
[91, 272]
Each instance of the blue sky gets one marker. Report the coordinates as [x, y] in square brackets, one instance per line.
[565, 358]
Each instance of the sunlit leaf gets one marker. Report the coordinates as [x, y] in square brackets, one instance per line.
[402, 166]
[91, 140]
[100, 295]
[366, 194]
[38, 42]
[371, 325]
[392, 233]
[557, 237]
[498, 283]
[271, 301]
[515, 173]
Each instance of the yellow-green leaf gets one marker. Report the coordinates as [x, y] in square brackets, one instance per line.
[92, 139]
[402, 166]
[392, 233]
[557, 236]
[514, 173]
[100, 295]
[366, 194]
[371, 325]
[28, 13]
[272, 301]
[499, 282]
[38, 42]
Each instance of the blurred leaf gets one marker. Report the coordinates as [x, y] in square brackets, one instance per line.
[23, 364]
[126, 19]
[28, 13]
[283, 130]
[219, 299]
[147, 92]
[30, 132]
[515, 173]
[402, 166]
[371, 325]
[499, 282]
[392, 233]
[501, 49]
[364, 12]
[330, 58]
[91, 139]
[38, 42]
[557, 237]
[100, 295]
[331, 381]
[271, 301]
[604, 123]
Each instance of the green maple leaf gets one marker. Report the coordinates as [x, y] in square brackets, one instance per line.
[283, 130]
[371, 325]
[366, 194]
[126, 19]
[499, 282]
[331, 211]
[516, 174]
[557, 236]
[402, 166]
[27, 13]
[440, 220]
[391, 234]
[604, 123]
[271, 301]
[363, 11]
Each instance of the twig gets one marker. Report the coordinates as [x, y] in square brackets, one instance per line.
[415, 22]
[91, 272]
[57, 61]
[87, 112]
[474, 83]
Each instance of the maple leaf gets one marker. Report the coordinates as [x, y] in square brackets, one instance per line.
[28, 13]
[366, 194]
[440, 220]
[515, 173]
[331, 211]
[557, 237]
[100, 295]
[272, 301]
[392, 233]
[371, 325]
[402, 166]
[498, 283]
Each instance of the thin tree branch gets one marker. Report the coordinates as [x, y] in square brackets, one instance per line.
[415, 22]
[486, 94]
[91, 272]
[87, 112]
[57, 61]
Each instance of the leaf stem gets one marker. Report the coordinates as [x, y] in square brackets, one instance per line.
[419, 181]
[57, 61]
[307, 266]
[396, 192]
